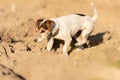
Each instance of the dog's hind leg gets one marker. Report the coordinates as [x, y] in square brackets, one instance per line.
[85, 34]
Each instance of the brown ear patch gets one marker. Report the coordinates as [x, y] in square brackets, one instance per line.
[38, 22]
[49, 24]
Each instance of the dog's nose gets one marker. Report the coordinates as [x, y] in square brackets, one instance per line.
[35, 40]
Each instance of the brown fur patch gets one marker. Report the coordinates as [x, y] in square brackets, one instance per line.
[38, 24]
[49, 24]
[45, 26]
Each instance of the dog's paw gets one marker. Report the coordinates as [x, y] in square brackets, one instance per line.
[49, 49]
[66, 53]
[77, 44]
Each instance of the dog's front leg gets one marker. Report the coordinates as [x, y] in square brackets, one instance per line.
[54, 31]
[66, 46]
[50, 44]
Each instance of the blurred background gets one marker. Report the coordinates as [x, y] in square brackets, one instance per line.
[100, 61]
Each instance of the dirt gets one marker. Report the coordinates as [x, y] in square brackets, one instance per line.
[23, 59]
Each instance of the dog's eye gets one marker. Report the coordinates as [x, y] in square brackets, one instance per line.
[42, 31]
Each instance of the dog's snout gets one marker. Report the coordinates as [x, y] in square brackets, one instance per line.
[35, 40]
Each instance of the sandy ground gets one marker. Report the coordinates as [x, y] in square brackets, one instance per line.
[23, 59]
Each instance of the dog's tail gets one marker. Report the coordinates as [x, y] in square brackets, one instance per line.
[95, 15]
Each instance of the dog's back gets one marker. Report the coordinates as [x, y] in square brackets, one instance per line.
[71, 24]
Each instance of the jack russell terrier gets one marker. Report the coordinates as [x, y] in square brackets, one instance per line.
[65, 28]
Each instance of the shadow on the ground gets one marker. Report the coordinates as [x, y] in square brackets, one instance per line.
[94, 40]
[98, 38]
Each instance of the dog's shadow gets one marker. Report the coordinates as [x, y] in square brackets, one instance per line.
[57, 44]
[93, 40]
[97, 39]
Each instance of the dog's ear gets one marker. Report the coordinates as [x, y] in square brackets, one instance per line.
[49, 24]
[38, 22]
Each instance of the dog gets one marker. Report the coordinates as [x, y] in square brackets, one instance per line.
[65, 28]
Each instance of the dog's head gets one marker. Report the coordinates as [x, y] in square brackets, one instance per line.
[44, 25]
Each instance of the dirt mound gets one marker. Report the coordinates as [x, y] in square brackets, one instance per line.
[100, 59]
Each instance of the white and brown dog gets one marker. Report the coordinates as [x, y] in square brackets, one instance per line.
[65, 28]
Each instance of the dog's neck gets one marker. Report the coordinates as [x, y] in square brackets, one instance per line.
[55, 29]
